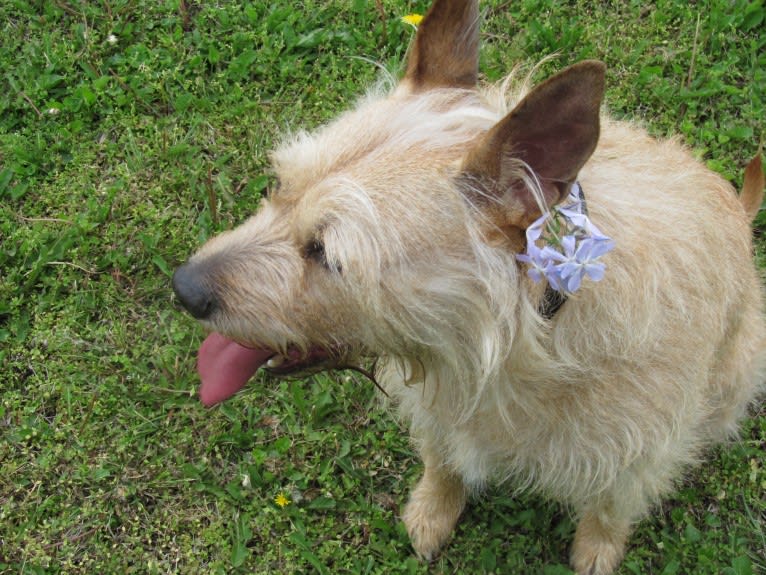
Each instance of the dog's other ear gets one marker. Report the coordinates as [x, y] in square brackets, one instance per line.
[551, 133]
[445, 52]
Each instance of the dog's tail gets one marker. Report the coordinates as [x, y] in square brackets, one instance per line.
[752, 188]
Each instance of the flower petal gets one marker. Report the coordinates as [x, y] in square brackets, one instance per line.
[535, 230]
[535, 274]
[569, 269]
[573, 282]
[552, 275]
[595, 271]
[569, 243]
[551, 254]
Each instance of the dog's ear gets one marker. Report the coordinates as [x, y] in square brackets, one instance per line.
[445, 52]
[547, 138]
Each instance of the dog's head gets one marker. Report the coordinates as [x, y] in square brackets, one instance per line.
[390, 225]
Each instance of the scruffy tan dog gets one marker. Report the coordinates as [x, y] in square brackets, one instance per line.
[412, 229]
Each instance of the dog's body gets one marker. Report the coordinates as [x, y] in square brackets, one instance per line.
[395, 232]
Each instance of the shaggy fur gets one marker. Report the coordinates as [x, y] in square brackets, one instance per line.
[388, 237]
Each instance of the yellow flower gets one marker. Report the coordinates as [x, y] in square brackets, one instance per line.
[282, 500]
[412, 19]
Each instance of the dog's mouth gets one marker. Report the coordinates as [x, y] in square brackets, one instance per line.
[226, 366]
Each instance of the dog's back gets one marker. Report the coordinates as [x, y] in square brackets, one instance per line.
[683, 264]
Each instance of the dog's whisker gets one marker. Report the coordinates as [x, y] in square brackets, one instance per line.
[368, 374]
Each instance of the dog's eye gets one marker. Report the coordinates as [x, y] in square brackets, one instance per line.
[314, 250]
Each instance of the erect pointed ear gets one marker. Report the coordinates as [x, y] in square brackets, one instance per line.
[445, 52]
[547, 137]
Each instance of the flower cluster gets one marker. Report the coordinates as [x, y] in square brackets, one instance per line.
[572, 247]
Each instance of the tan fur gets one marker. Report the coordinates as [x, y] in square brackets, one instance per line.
[603, 406]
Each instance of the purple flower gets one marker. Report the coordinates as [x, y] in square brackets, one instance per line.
[539, 266]
[579, 260]
[574, 258]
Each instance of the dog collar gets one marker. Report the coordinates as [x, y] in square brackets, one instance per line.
[552, 302]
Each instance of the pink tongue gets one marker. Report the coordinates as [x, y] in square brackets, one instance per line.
[225, 367]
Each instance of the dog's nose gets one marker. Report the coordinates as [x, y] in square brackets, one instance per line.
[193, 292]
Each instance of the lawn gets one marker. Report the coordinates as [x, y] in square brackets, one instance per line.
[131, 131]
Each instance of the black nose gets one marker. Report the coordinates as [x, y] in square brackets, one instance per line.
[194, 293]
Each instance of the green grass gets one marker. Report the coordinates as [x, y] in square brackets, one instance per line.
[132, 130]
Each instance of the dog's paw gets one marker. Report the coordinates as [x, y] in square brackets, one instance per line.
[597, 550]
[428, 528]
[599, 559]
[430, 517]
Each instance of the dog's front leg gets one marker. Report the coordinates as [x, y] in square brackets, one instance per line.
[606, 520]
[599, 543]
[434, 507]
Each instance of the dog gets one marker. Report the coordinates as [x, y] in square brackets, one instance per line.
[412, 229]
